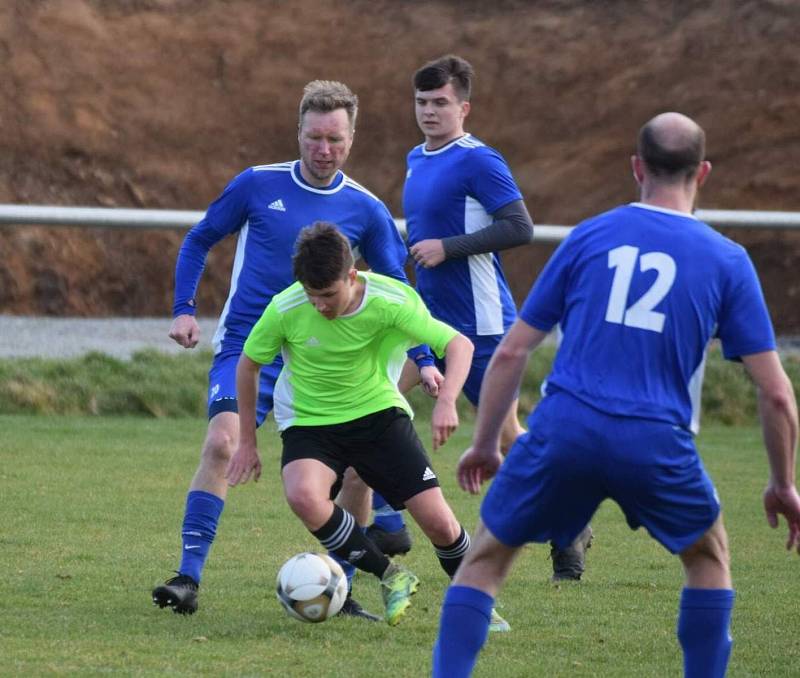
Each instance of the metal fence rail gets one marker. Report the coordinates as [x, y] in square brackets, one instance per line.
[104, 217]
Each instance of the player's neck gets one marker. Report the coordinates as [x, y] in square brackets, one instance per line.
[357, 296]
[672, 198]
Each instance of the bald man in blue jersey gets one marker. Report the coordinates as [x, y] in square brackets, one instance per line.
[639, 293]
[267, 206]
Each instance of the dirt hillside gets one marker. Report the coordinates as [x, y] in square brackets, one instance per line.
[158, 103]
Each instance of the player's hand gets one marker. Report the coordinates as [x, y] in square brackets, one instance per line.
[185, 330]
[428, 253]
[431, 379]
[784, 501]
[244, 464]
[444, 421]
[476, 466]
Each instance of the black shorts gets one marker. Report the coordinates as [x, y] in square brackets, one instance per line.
[383, 448]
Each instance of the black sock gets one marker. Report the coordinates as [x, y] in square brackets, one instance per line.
[451, 556]
[342, 535]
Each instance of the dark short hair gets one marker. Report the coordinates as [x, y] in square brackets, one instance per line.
[449, 68]
[322, 255]
[324, 96]
[670, 158]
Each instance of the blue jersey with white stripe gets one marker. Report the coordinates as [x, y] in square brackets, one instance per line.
[268, 205]
[639, 293]
[451, 191]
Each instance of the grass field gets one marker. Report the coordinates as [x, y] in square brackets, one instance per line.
[91, 510]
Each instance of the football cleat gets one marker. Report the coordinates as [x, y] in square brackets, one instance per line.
[179, 593]
[569, 563]
[352, 608]
[390, 543]
[497, 624]
[397, 587]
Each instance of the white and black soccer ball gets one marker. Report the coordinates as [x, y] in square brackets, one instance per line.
[312, 587]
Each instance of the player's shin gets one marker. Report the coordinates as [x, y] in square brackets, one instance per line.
[203, 510]
[450, 556]
[704, 631]
[463, 628]
[342, 536]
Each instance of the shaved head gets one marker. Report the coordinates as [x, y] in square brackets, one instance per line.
[672, 146]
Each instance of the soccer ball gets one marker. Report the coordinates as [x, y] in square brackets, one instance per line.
[311, 587]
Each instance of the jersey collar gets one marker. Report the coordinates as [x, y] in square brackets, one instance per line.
[336, 186]
[664, 210]
[446, 147]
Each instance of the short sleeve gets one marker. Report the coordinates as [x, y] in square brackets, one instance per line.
[491, 181]
[744, 326]
[415, 320]
[545, 304]
[266, 338]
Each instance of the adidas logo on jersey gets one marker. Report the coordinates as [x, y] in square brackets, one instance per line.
[312, 341]
[277, 205]
[429, 474]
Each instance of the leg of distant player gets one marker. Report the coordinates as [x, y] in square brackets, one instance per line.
[207, 493]
[468, 603]
[706, 605]
[204, 503]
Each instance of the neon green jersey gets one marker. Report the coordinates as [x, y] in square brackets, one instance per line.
[342, 369]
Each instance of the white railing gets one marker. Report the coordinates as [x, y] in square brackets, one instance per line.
[104, 217]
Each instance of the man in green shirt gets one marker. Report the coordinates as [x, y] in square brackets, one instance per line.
[343, 334]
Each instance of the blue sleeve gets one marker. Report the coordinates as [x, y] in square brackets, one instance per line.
[744, 325]
[385, 252]
[382, 247]
[546, 302]
[490, 180]
[226, 215]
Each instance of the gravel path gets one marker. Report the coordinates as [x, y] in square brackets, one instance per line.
[69, 337]
[22, 336]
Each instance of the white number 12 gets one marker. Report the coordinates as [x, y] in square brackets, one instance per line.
[641, 314]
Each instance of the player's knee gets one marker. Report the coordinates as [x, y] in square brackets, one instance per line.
[304, 502]
[442, 530]
[710, 549]
[218, 447]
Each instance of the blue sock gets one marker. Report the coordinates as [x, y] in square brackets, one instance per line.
[462, 631]
[385, 516]
[704, 631]
[347, 566]
[199, 528]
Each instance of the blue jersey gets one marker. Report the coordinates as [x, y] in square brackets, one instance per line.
[268, 205]
[639, 293]
[452, 191]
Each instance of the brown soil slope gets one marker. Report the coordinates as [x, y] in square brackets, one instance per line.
[158, 103]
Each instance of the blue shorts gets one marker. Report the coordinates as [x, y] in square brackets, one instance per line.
[484, 350]
[573, 457]
[222, 385]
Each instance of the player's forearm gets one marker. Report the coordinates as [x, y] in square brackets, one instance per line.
[778, 411]
[246, 394]
[512, 226]
[458, 358]
[188, 268]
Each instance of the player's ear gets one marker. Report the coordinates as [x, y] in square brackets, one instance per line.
[702, 172]
[637, 168]
[465, 109]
